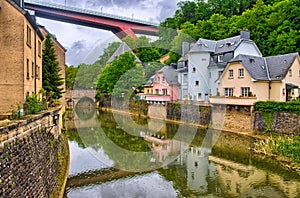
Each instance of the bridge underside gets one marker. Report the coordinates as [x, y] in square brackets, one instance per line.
[120, 28]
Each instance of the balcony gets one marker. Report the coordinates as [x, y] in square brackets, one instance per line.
[233, 100]
[156, 98]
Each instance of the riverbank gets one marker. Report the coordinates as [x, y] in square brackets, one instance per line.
[260, 147]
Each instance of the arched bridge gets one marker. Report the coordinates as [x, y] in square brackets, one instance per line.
[73, 96]
[121, 26]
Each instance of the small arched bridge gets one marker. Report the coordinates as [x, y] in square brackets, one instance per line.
[73, 96]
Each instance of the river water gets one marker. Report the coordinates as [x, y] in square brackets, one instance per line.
[116, 155]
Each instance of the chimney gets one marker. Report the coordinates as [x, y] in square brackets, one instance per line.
[20, 3]
[185, 48]
[245, 34]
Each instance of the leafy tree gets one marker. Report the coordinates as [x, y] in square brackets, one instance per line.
[51, 77]
[86, 75]
[114, 71]
[151, 69]
[71, 72]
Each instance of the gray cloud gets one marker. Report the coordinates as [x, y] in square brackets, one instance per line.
[77, 52]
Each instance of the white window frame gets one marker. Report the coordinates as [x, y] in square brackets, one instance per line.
[241, 72]
[230, 73]
[245, 91]
[228, 91]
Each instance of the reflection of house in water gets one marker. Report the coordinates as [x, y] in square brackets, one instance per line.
[164, 151]
[198, 169]
[207, 174]
[238, 180]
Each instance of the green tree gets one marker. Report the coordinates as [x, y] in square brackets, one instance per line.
[151, 69]
[114, 71]
[71, 72]
[51, 77]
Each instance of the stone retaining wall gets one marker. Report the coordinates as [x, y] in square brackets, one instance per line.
[281, 123]
[34, 157]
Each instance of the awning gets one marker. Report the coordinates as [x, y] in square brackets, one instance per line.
[291, 86]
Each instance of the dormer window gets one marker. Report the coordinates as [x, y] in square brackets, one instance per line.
[220, 57]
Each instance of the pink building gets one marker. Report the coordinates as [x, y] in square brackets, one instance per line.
[165, 86]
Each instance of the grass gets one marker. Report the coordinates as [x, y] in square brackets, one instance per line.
[282, 147]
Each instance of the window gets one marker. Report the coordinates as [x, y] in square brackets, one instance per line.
[185, 78]
[163, 79]
[290, 73]
[27, 68]
[28, 36]
[39, 48]
[156, 91]
[245, 91]
[299, 73]
[199, 96]
[38, 72]
[194, 69]
[32, 69]
[230, 73]
[241, 73]
[165, 92]
[228, 91]
[220, 58]
[196, 83]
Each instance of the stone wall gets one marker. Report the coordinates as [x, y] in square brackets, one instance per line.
[34, 157]
[237, 119]
[279, 122]
[189, 112]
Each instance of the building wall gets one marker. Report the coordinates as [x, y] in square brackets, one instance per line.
[11, 55]
[34, 59]
[213, 78]
[294, 78]
[172, 90]
[199, 61]
[183, 85]
[258, 89]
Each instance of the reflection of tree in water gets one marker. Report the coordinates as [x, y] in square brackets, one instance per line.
[85, 108]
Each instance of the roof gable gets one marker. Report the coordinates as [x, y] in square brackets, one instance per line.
[279, 65]
[121, 50]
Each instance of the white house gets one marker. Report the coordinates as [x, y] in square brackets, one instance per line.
[207, 60]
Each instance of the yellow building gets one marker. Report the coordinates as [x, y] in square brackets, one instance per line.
[248, 79]
[21, 55]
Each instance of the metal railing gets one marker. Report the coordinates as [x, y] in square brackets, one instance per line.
[84, 11]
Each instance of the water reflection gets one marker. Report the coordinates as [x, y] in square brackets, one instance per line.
[188, 170]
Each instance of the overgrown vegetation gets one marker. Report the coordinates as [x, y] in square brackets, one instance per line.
[282, 147]
[273, 106]
[33, 105]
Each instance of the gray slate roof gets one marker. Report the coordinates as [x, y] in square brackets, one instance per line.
[149, 83]
[121, 50]
[170, 74]
[217, 47]
[270, 68]
[203, 45]
[279, 65]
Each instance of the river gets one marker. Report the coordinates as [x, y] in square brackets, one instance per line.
[116, 155]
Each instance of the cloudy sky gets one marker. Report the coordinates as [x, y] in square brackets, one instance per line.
[85, 44]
